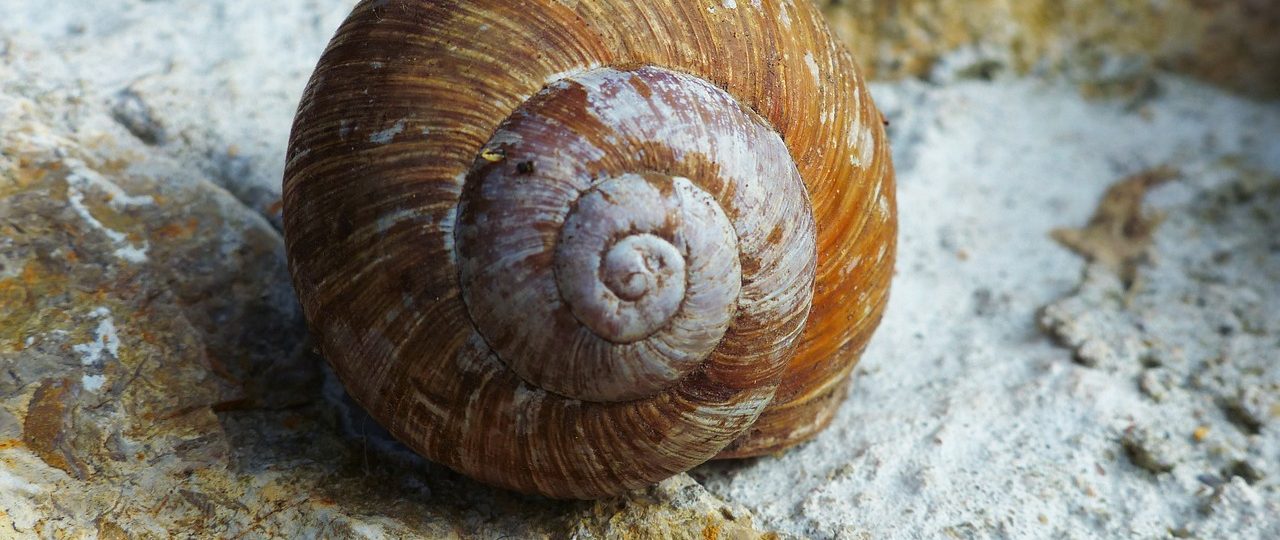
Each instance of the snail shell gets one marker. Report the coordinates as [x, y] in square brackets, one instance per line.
[572, 248]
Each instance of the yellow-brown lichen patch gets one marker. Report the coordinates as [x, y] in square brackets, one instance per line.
[20, 320]
[23, 175]
[177, 230]
[711, 531]
[42, 432]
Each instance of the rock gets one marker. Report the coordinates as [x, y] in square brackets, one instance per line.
[1236, 510]
[1077, 323]
[1120, 232]
[1112, 47]
[1157, 383]
[1148, 451]
[676, 508]
[971, 413]
[1252, 471]
[213, 85]
[1184, 311]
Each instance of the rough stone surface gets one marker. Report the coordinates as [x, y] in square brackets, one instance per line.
[213, 85]
[156, 381]
[1005, 395]
[1109, 46]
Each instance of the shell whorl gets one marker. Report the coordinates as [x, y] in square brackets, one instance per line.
[572, 248]
[604, 230]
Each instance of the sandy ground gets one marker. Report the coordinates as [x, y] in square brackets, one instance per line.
[1011, 391]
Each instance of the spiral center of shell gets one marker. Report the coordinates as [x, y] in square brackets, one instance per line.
[620, 263]
[642, 263]
[622, 228]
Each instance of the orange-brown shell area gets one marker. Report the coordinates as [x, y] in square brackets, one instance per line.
[400, 106]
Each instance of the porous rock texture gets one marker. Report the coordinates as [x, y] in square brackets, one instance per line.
[1017, 390]
[156, 380]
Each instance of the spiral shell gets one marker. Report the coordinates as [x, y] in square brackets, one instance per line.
[573, 248]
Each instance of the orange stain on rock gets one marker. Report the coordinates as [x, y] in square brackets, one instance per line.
[178, 229]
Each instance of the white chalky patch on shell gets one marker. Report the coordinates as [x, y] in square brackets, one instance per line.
[710, 417]
[866, 144]
[729, 4]
[502, 138]
[475, 356]
[559, 76]
[855, 137]
[437, 410]
[813, 68]
[387, 135]
[883, 211]
[527, 403]
[407, 306]
[448, 226]
[852, 265]
[370, 266]
[388, 221]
